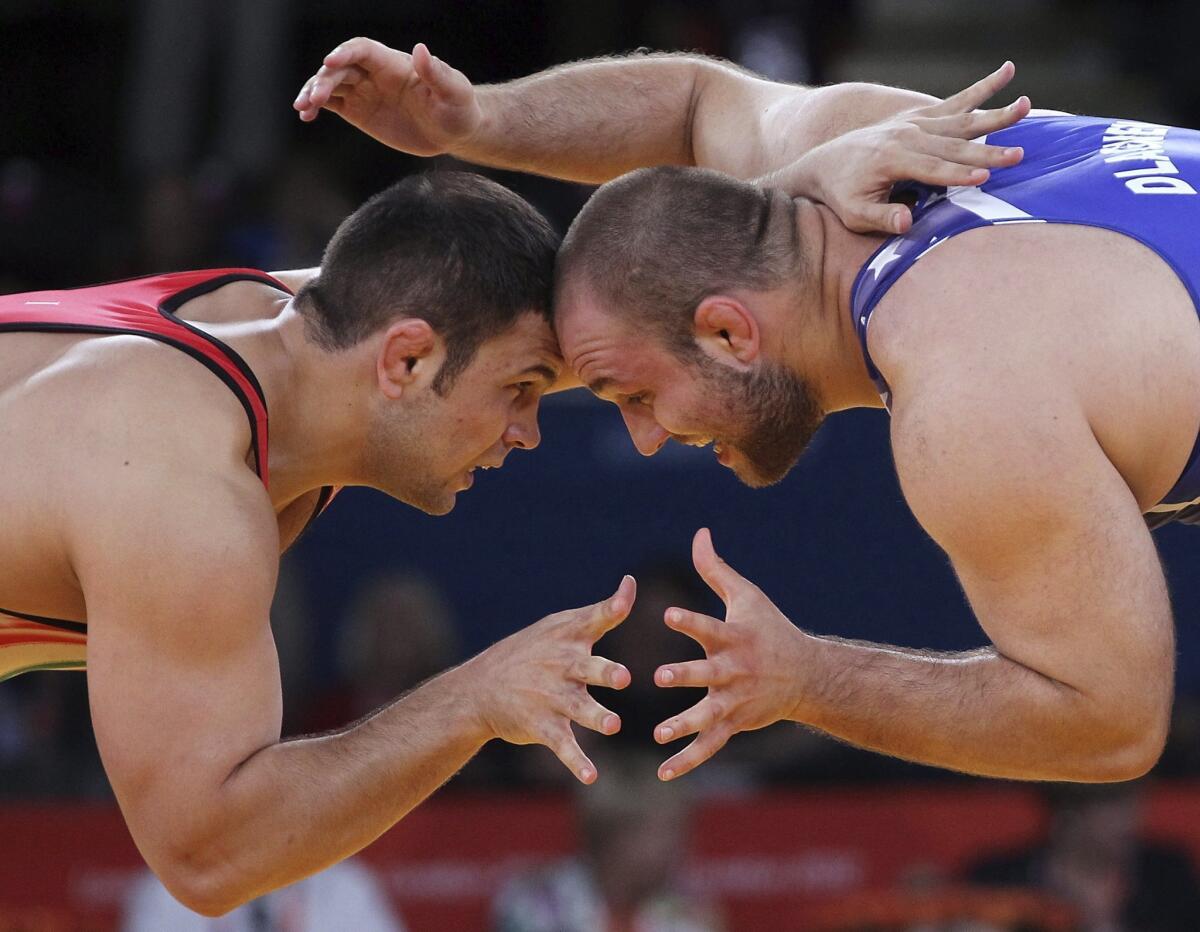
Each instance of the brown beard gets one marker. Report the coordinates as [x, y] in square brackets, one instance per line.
[770, 417]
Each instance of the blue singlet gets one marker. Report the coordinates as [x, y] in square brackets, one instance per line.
[1138, 179]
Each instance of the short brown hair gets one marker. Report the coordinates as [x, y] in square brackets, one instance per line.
[453, 248]
[654, 243]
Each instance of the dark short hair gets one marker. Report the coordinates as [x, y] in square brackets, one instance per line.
[459, 251]
[654, 243]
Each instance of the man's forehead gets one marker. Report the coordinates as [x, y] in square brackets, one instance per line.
[531, 340]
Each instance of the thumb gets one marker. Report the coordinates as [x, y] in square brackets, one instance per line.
[878, 218]
[722, 578]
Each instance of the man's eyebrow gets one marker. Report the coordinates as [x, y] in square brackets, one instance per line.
[546, 371]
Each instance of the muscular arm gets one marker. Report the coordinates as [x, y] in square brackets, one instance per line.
[592, 121]
[186, 706]
[1053, 554]
[1003, 471]
[665, 109]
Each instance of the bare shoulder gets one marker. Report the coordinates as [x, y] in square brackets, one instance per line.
[1054, 310]
[165, 445]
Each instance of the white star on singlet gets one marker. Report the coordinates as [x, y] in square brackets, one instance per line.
[885, 257]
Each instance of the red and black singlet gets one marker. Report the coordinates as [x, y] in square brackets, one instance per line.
[143, 307]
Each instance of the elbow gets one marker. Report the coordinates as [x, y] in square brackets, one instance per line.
[209, 893]
[1130, 751]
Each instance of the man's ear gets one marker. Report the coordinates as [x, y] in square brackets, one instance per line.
[409, 353]
[726, 329]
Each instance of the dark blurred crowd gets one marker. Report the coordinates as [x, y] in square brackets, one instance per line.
[141, 137]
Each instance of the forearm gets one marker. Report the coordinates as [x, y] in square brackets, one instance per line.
[589, 121]
[978, 712]
[298, 806]
[595, 120]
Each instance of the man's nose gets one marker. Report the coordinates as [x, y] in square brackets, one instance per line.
[523, 433]
[648, 435]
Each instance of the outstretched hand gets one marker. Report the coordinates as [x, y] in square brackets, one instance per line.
[415, 103]
[854, 173]
[531, 686]
[752, 670]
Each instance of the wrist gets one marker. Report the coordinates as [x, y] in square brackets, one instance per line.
[809, 653]
[466, 684]
[472, 145]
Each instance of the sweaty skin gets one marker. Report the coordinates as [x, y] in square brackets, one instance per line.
[1044, 381]
[129, 503]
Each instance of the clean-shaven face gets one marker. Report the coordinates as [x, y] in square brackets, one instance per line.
[758, 421]
[427, 452]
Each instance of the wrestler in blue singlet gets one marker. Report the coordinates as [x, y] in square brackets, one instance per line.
[1138, 179]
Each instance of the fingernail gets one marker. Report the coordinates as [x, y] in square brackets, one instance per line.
[586, 774]
[898, 223]
[611, 723]
[979, 174]
[673, 616]
[666, 733]
[667, 676]
[1014, 151]
[668, 775]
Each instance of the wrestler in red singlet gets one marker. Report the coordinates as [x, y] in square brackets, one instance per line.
[141, 307]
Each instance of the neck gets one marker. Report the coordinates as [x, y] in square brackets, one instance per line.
[318, 419]
[823, 345]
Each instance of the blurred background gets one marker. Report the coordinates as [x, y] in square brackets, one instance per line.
[138, 137]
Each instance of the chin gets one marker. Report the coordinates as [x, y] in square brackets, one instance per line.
[430, 502]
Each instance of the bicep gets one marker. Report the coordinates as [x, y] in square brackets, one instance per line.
[183, 679]
[1046, 538]
[746, 126]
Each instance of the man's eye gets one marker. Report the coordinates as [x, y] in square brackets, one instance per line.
[635, 399]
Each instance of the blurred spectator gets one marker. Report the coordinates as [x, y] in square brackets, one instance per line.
[627, 878]
[1094, 858]
[396, 633]
[344, 896]
[183, 49]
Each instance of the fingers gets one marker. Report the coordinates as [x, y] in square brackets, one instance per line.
[704, 714]
[977, 94]
[597, 671]
[976, 123]
[722, 578]
[690, 673]
[586, 711]
[694, 754]
[567, 750]
[929, 169]
[354, 58]
[604, 616]
[703, 629]
[323, 85]
[978, 154]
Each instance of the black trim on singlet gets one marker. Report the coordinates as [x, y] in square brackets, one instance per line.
[168, 309]
[322, 500]
[78, 627]
[209, 364]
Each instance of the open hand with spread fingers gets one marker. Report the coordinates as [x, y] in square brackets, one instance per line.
[753, 667]
[853, 174]
[415, 103]
[530, 687]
